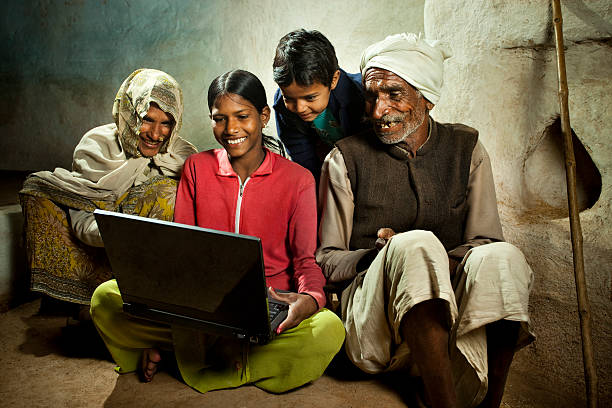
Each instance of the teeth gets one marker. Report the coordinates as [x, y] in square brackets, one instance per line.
[236, 141]
[387, 125]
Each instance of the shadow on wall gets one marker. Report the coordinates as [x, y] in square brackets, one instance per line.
[11, 87]
[544, 180]
[14, 276]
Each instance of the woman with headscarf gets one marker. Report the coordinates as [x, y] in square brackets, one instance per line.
[130, 166]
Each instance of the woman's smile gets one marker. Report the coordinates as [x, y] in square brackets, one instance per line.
[235, 141]
[151, 143]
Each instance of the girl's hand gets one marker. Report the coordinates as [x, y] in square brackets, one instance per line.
[301, 307]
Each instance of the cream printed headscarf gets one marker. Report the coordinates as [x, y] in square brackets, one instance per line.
[132, 103]
[106, 162]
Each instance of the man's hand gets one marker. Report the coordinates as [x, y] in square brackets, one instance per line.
[300, 307]
[384, 234]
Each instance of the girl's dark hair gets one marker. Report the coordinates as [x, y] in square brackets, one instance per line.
[241, 83]
[305, 57]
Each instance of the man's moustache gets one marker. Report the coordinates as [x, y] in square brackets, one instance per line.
[391, 117]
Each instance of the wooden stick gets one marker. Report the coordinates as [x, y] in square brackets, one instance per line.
[584, 311]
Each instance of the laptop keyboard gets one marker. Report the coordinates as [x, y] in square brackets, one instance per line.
[276, 308]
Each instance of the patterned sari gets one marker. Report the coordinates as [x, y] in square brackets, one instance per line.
[61, 265]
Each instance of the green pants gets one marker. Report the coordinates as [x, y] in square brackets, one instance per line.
[293, 358]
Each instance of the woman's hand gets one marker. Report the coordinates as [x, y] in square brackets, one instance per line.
[300, 307]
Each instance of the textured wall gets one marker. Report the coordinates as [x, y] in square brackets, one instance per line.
[64, 60]
[502, 80]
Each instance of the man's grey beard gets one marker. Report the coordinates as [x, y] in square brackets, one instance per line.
[399, 117]
[412, 127]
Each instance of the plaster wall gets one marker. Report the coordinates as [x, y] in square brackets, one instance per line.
[502, 80]
[63, 61]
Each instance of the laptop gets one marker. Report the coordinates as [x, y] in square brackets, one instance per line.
[191, 276]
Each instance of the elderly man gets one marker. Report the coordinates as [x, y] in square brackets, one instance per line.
[409, 226]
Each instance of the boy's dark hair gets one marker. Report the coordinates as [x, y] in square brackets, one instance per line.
[241, 83]
[306, 57]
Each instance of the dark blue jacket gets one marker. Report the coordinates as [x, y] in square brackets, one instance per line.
[301, 140]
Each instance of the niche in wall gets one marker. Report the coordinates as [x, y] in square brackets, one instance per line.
[544, 175]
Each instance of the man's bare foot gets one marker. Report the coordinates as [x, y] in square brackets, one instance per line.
[149, 364]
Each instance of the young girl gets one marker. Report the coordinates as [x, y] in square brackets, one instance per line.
[234, 189]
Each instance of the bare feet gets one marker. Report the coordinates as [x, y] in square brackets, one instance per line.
[149, 364]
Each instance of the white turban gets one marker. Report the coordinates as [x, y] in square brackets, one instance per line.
[418, 61]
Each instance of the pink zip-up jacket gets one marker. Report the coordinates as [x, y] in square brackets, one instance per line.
[277, 204]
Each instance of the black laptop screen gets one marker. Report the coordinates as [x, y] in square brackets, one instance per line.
[196, 272]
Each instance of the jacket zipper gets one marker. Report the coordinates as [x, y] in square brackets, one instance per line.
[239, 203]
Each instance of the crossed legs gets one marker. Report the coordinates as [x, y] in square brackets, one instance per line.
[295, 357]
[406, 297]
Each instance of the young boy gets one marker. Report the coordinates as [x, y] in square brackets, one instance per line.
[317, 103]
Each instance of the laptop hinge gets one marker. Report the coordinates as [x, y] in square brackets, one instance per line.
[143, 311]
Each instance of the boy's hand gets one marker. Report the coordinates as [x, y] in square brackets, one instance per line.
[300, 307]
